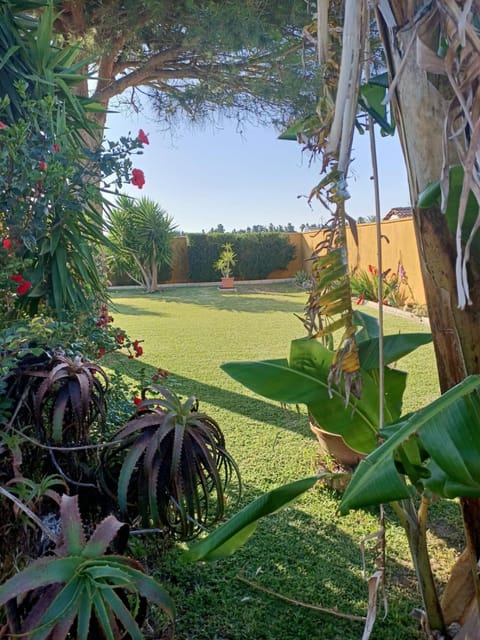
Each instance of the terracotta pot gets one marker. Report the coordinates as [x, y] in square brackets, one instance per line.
[336, 447]
[228, 283]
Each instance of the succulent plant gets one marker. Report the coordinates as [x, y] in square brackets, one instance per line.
[80, 590]
[171, 463]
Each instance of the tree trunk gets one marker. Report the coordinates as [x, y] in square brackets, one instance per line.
[419, 102]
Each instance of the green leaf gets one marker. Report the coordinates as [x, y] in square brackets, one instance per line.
[448, 432]
[235, 532]
[394, 347]
[61, 607]
[371, 98]
[123, 614]
[40, 573]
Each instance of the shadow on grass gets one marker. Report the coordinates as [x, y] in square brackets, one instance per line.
[249, 299]
[305, 557]
[254, 408]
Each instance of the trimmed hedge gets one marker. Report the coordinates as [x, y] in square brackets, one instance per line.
[257, 254]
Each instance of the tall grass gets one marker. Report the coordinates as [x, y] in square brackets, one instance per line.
[306, 552]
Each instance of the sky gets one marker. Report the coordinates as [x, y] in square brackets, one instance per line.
[219, 175]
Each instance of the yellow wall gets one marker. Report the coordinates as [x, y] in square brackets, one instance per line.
[398, 246]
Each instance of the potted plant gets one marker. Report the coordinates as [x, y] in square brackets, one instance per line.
[225, 263]
[305, 379]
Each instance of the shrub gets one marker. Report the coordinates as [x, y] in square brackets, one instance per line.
[257, 254]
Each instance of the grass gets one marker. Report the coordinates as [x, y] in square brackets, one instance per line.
[306, 552]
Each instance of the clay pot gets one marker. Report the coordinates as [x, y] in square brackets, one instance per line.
[335, 447]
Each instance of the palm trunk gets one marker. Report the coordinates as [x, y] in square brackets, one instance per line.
[419, 103]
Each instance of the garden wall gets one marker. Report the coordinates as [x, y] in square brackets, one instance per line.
[399, 248]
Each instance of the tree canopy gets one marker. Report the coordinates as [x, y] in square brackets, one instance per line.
[194, 58]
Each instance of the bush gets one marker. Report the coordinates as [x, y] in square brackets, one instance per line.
[258, 254]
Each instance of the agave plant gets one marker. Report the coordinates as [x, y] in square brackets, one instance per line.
[81, 591]
[171, 461]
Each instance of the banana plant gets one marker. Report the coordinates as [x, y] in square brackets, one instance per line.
[81, 590]
[305, 379]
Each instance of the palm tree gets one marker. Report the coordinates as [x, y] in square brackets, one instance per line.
[142, 232]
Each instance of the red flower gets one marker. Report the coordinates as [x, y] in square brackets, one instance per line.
[42, 165]
[120, 338]
[16, 277]
[101, 352]
[155, 377]
[360, 300]
[137, 400]
[138, 352]
[7, 244]
[135, 344]
[142, 137]
[56, 147]
[138, 178]
[23, 287]
[3, 125]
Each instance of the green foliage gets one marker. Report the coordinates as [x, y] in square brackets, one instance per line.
[395, 289]
[226, 260]
[251, 62]
[231, 536]
[305, 379]
[436, 448]
[257, 254]
[82, 588]
[141, 233]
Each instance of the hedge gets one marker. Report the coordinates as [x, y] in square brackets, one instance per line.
[257, 254]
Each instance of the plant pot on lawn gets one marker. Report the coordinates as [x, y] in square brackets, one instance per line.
[335, 447]
[228, 283]
[225, 263]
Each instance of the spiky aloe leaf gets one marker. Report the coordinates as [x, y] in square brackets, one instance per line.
[72, 529]
[40, 573]
[102, 537]
[178, 458]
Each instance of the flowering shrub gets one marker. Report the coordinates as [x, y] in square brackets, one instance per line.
[395, 288]
[52, 196]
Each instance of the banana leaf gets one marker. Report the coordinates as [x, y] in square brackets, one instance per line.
[235, 532]
[449, 435]
[304, 380]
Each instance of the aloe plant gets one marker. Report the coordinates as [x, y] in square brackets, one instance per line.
[80, 590]
[70, 398]
[172, 463]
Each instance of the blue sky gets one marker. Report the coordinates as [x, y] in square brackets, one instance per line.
[217, 174]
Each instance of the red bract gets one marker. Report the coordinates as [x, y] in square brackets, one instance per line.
[137, 400]
[42, 165]
[138, 352]
[16, 277]
[120, 338]
[56, 147]
[138, 178]
[142, 137]
[101, 352]
[7, 244]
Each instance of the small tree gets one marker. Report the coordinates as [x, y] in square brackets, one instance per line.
[142, 233]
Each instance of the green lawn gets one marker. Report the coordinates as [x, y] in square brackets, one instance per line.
[306, 552]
